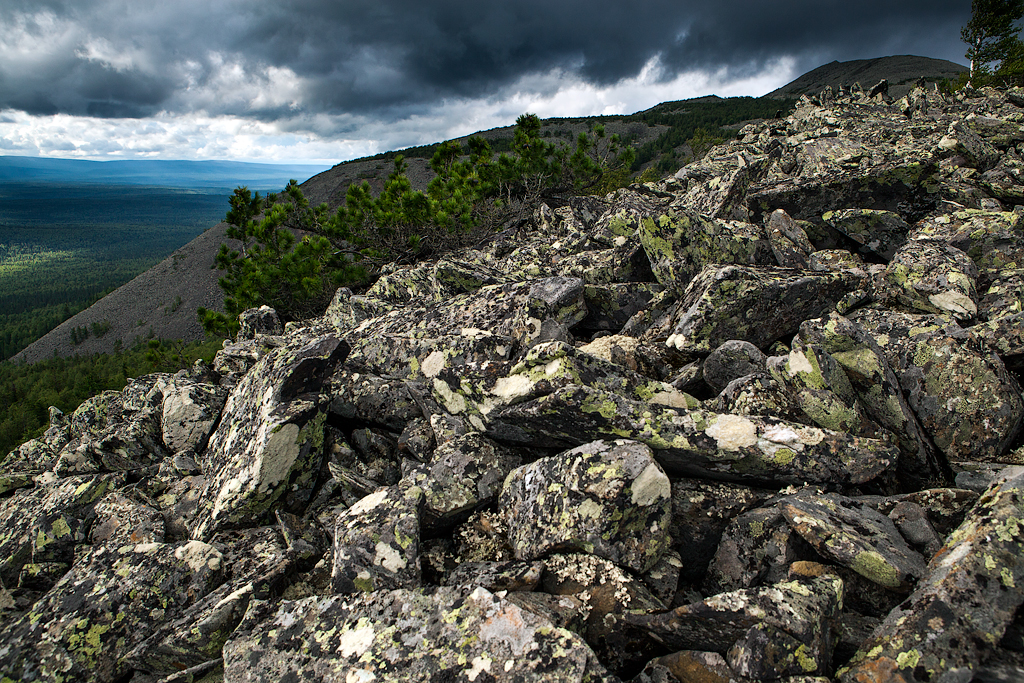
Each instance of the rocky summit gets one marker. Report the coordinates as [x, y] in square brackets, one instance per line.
[759, 421]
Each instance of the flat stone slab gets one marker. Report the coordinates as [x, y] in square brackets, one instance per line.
[697, 442]
[855, 536]
[403, 635]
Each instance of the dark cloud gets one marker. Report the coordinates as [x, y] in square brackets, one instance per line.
[111, 59]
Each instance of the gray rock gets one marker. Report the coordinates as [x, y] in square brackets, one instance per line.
[697, 442]
[270, 438]
[730, 361]
[878, 232]
[189, 414]
[606, 498]
[262, 320]
[103, 607]
[960, 610]
[376, 542]
[931, 276]
[344, 638]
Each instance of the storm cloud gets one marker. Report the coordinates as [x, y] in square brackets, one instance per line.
[328, 67]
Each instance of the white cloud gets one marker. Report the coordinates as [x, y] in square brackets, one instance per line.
[328, 138]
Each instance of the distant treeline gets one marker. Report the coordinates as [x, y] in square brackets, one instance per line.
[64, 246]
[706, 119]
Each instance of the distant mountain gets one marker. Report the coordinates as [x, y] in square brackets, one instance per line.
[158, 173]
[902, 71]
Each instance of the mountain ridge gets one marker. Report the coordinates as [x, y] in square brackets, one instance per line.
[902, 71]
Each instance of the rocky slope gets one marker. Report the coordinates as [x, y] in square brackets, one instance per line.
[901, 71]
[756, 422]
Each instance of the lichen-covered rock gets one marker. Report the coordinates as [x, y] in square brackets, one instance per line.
[262, 320]
[1004, 296]
[463, 474]
[757, 305]
[701, 511]
[606, 498]
[121, 520]
[189, 414]
[46, 522]
[878, 232]
[403, 635]
[819, 385]
[497, 576]
[879, 391]
[682, 242]
[931, 276]
[516, 310]
[853, 535]
[377, 542]
[730, 361]
[610, 306]
[735, 622]
[367, 397]
[756, 548]
[789, 240]
[270, 438]
[968, 402]
[103, 607]
[993, 239]
[236, 359]
[605, 592]
[249, 560]
[697, 442]
[647, 359]
[960, 610]
[759, 394]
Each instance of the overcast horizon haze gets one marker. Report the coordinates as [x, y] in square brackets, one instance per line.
[324, 81]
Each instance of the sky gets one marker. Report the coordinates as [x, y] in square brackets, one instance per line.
[323, 81]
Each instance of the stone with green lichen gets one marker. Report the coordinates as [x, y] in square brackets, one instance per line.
[46, 522]
[993, 239]
[808, 611]
[605, 498]
[514, 310]
[701, 511]
[189, 413]
[962, 607]
[626, 262]
[877, 232]
[756, 548]
[606, 592]
[717, 184]
[965, 398]
[347, 310]
[610, 306]
[697, 442]
[834, 259]
[497, 576]
[789, 240]
[110, 600]
[421, 359]
[931, 276]
[125, 520]
[820, 386]
[651, 360]
[757, 305]
[732, 360]
[367, 397]
[759, 394]
[200, 631]
[624, 216]
[1004, 296]
[849, 533]
[878, 388]
[463, 474]
[269, 443]
[377, 541]
[402, 635]
[682, 242]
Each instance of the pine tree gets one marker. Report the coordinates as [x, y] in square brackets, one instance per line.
[991, 34]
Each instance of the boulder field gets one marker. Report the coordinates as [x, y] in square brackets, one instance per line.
[758, 421]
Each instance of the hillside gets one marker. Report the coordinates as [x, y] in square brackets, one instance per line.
[661, 135]
[902, 71]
